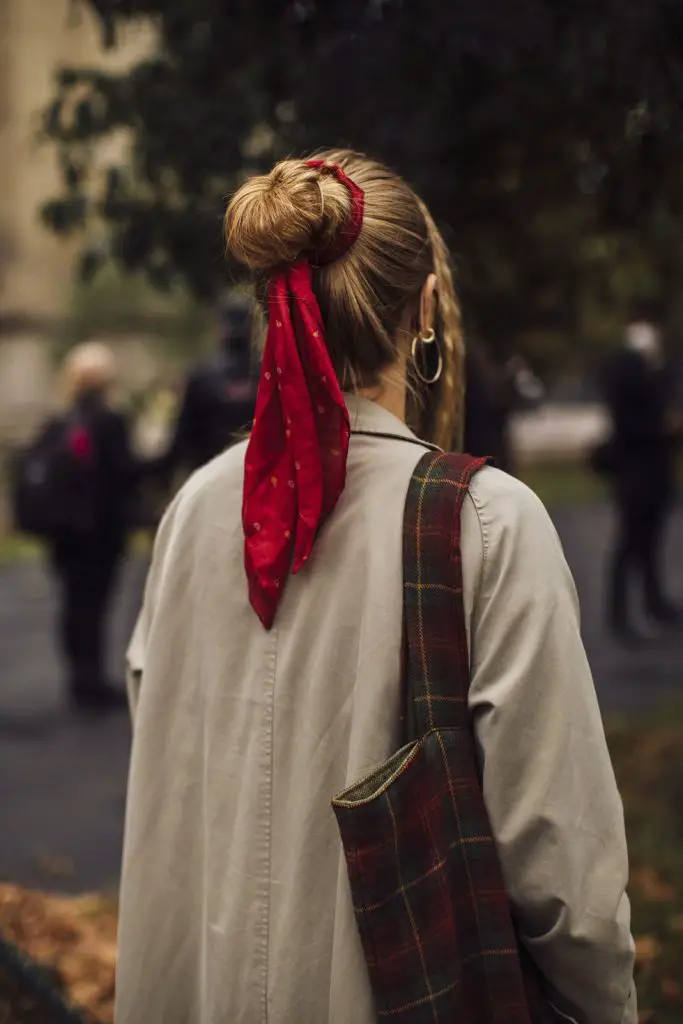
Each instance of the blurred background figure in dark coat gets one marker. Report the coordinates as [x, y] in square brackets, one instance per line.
[640, 467]
[88, 543]
[220, 394]
[492, 394]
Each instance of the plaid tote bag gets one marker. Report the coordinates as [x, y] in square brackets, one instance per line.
[428, 891]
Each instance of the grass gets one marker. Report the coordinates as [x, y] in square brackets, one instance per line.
[562, 484]
[569, 482]
[15, 547]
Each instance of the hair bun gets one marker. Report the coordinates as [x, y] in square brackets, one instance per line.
[275, 218]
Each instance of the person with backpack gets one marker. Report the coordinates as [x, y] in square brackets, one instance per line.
[369, 777]
[73, 489]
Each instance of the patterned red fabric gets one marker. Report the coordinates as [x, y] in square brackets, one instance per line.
[429, 897]
[295, 466]
[350, 231]
[80, 443]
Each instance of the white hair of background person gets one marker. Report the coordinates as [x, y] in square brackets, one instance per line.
[644, 338]
[90, 366]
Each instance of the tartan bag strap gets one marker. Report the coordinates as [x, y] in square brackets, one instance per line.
[437, 655]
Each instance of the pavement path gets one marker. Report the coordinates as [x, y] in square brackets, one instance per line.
[62, 777]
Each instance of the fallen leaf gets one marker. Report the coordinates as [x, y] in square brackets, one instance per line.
[74, 937]
[648, 884]
[671, 988]
[647, 949]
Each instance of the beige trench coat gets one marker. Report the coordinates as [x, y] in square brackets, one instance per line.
[234, 903]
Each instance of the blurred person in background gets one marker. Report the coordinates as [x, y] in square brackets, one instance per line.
[639, 462]
[492, 395]
[219, 397]
[74, 489]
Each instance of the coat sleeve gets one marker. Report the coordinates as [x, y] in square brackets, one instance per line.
[548, 781]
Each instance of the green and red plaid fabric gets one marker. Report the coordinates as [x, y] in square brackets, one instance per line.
[428, 891]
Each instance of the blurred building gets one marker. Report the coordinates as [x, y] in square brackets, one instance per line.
[36, 38]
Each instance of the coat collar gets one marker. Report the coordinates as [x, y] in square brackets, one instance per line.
[370, 418]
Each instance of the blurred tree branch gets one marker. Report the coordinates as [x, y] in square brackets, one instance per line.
[528, 127]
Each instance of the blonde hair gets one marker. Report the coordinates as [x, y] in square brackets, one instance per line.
[88, 367]
[364, 296]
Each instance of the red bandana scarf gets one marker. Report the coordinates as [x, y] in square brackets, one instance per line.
[295, 466]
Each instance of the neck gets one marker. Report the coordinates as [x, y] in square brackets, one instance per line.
[390, 393]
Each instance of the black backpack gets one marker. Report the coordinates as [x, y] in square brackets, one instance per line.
[54, 480]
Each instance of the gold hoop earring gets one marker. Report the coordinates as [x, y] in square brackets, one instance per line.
[427, 337]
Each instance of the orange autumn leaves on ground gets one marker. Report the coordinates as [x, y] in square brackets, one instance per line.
[74, 936]
[657, 954]
[77, 938]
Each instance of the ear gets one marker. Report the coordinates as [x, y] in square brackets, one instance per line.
[428, 304]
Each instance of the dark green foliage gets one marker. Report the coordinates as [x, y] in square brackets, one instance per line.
[529, 127]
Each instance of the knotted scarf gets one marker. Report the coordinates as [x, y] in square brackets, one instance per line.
[295, 465]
